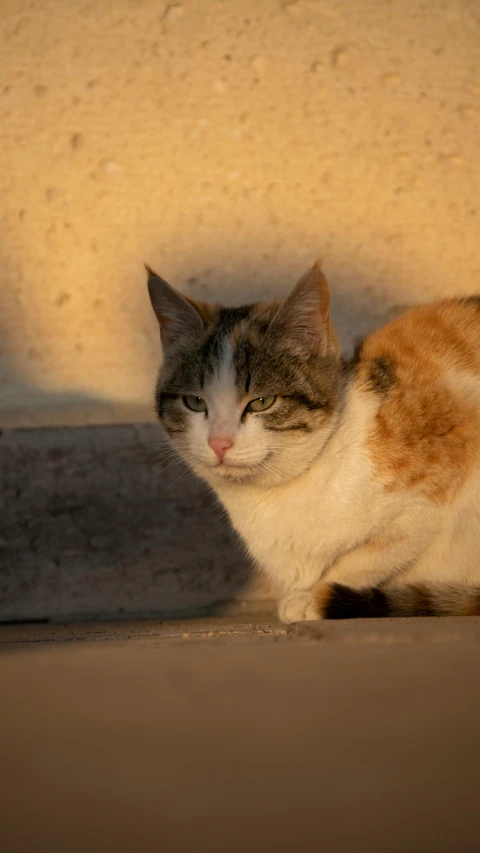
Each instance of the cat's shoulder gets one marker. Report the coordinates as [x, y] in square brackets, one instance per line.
[424, 370]
[420, 345]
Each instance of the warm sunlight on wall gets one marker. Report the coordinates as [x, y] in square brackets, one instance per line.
[227, 142]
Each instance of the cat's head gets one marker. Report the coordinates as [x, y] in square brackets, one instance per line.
[248, 394]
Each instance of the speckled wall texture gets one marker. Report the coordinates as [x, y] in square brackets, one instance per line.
[227, 142]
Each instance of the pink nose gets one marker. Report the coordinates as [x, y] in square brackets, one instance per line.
[220, 446]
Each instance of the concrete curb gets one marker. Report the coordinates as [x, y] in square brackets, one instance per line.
[90, 528]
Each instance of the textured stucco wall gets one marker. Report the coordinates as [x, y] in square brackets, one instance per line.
[227, 142]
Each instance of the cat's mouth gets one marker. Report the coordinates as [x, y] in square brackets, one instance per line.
[226, 470]
[238, 470]
[233, 468]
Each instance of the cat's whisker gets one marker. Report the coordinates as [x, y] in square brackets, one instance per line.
[160, 471]
[185, 472]
[156, 446]
[161, 467]
[265, 466]
[165, 458]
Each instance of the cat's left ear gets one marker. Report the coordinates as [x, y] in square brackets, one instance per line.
[302, 319]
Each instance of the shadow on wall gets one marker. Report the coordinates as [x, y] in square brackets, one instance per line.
[109, 375]
[360, 302]
[37, 350]
[29, 406]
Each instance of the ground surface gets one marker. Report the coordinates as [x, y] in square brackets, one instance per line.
[225, 735]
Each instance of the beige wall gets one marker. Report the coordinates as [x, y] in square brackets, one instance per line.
[227, 142]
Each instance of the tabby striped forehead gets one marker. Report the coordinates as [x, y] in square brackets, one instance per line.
[235, 346]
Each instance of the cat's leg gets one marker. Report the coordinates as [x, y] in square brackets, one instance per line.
[356, 585]
[375, 563]
[298, 606]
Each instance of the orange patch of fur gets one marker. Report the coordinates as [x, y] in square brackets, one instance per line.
[206, 310]
[321, 595]
[472, 607]
[254, 333]
[426, 434]
[420, 602]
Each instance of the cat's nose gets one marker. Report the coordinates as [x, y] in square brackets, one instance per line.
[220, 446]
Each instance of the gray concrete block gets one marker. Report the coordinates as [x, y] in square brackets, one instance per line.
[90, 528]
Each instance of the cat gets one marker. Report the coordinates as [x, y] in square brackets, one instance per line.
[354, 483]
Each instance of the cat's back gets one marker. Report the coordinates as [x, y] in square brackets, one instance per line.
[440, 335]
[424, 370]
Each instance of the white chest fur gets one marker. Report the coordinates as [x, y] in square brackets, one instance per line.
[296, 531]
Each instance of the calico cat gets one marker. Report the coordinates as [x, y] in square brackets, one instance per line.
[355, 484]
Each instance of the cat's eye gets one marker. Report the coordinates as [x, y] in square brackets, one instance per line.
[195, 404]
[261, 404]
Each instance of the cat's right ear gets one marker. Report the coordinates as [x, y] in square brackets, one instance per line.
[176, 316]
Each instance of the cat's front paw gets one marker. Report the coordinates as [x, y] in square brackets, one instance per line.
[298, 607]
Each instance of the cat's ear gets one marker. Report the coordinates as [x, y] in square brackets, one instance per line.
[177, 317]
[302, 318]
